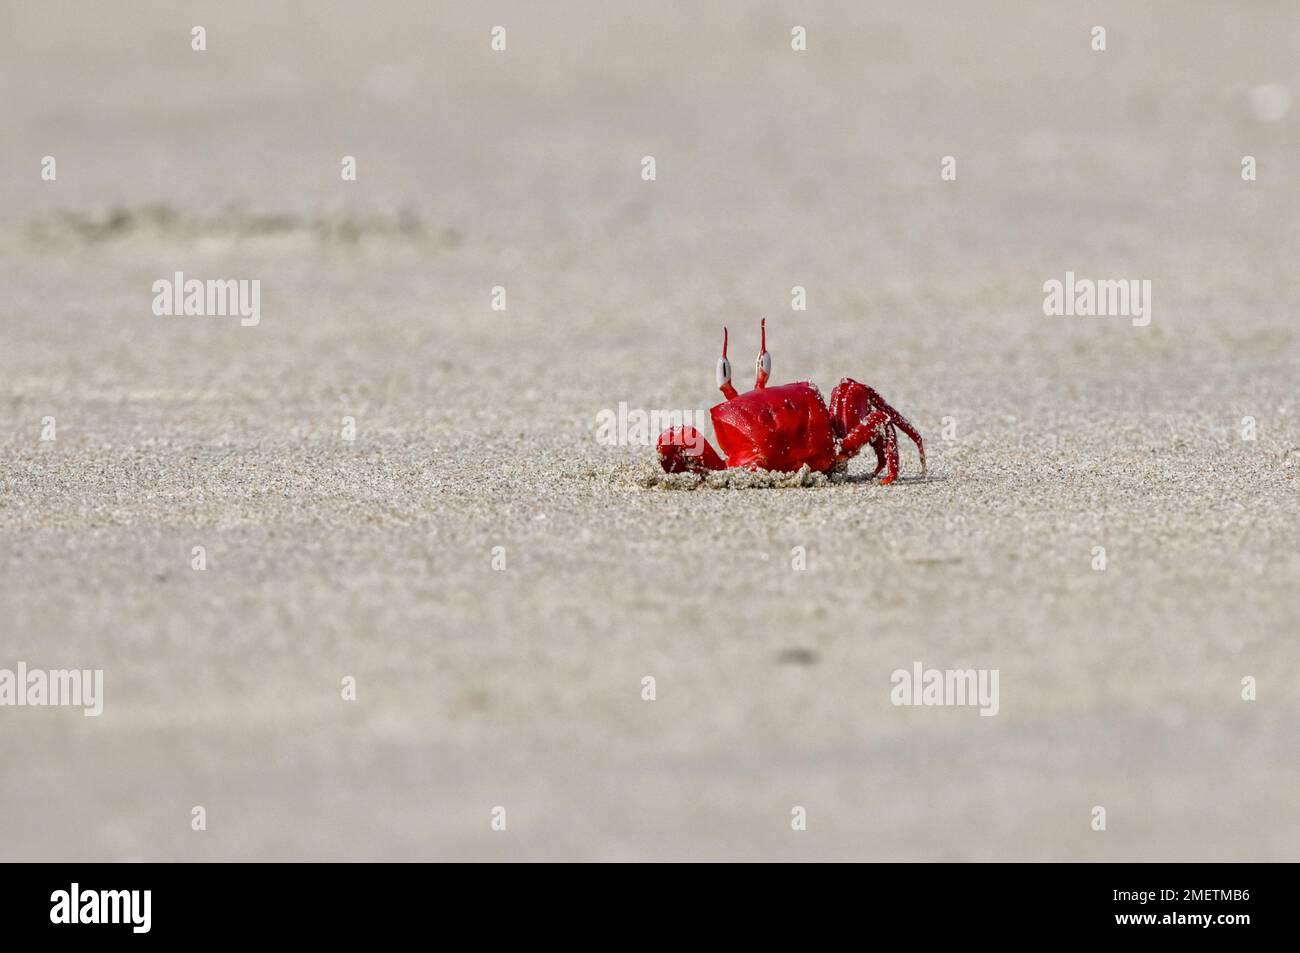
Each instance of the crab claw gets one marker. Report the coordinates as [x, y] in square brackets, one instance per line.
[684, 449]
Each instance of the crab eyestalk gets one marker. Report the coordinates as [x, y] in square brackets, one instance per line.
[724, 371]
[762, 366]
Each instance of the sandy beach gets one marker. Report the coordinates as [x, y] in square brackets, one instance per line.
[395, 482]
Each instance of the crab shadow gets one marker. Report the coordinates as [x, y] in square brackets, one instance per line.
[866, 479]
[742, 479]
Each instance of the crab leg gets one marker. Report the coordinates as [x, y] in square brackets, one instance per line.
[878, 445]
[867, 430]
[899, 421]
[891, 455]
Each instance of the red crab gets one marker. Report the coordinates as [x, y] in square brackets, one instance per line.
[782, 428]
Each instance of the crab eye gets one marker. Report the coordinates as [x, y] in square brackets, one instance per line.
[764, 363]
[724, 371]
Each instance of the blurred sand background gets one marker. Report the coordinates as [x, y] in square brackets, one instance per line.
[477, 429]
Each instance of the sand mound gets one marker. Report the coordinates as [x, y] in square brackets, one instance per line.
[652, 477]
